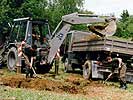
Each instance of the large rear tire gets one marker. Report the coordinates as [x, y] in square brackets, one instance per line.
[87, 69]
[12, 58]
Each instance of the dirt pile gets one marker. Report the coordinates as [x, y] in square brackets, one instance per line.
[70, 83]
[19, 81]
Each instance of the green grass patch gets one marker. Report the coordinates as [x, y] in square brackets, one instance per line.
[25, 94]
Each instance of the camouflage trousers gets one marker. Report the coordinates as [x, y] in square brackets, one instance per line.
[29, 72]
[56, 66]
[122, 73]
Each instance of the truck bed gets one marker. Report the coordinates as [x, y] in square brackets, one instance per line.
[104, 44]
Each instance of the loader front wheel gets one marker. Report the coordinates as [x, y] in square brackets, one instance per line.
[11, 58]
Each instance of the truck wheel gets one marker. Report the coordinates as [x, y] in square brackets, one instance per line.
[67, 66]
[12, 58]
[87, 69]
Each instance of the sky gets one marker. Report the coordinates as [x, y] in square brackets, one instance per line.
[107, 7]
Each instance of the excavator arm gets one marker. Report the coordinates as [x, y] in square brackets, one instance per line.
[75, 18]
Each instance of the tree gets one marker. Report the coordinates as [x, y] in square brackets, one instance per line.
[52, 10]
[124, 15]
[58, 8]
[125, 25]
[10, 9]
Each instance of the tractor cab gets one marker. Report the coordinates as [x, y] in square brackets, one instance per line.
[33, 31]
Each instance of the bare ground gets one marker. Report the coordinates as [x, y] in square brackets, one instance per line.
[71, 83]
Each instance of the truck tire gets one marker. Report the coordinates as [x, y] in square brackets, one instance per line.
[87, 69]
[67, 66]
[11, 58]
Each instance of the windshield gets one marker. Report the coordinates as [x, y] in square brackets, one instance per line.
[18, 31]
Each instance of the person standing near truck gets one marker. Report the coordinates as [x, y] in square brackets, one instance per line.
[57, 62]
[121, 67]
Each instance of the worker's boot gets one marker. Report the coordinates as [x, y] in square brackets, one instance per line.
[121, 84]
[124, 86]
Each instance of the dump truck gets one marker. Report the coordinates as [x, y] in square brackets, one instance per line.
[23, 30]
[83, 46]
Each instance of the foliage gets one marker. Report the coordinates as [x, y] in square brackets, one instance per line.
[58, 8]
[125, 25]
[52, 10]
[43, 9]
[124, 15]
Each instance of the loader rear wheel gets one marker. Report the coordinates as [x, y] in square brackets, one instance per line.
[87, 69]
[11, 58]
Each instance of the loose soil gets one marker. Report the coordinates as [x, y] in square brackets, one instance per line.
[72, 83]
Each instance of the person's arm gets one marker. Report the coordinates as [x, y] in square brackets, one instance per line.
[120, 62]
[109, 76]
[31, 62]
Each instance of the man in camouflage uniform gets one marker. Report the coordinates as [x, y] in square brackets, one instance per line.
[117, 63]
[30, 53]
[56, 65]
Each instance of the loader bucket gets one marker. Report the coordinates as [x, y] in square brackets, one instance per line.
[108, 30]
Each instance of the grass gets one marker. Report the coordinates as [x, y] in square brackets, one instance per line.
[7, 93]
[25, 94]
